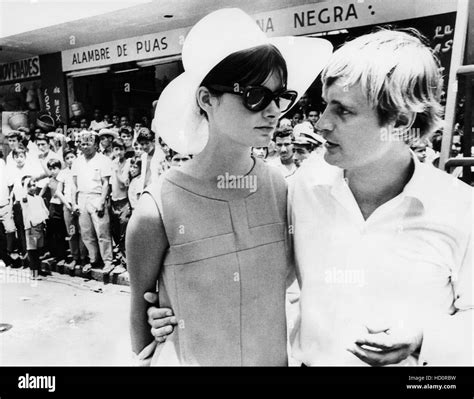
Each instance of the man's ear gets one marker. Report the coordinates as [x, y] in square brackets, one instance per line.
[405, 121]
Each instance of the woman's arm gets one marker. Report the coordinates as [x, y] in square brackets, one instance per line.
[146, 245]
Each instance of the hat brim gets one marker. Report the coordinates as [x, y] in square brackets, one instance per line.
[177, 116]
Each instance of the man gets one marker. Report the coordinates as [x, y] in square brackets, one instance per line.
[283, 139]
[120, 206]
[303, 146]
[126, 136]
[45, 154]
[106, 136]
[392, 282]
[97, 122]
[91, 174]
[151, 157]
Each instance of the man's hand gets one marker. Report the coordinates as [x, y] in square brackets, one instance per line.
[384, 346]
[101, 209]
[161, 320]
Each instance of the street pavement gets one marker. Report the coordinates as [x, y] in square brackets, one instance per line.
[69, 321]
[63, 321]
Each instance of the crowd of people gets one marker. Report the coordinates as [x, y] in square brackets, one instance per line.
[71, 195]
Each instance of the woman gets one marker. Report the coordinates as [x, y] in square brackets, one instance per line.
[220, 257]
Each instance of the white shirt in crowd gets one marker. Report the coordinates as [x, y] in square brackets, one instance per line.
[409, 262]
[15, 174]
[4, 191]
[90, 173]
[65, 177]
[286, 170]
[34, 211]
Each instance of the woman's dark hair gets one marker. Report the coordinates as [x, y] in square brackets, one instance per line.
[247, 67]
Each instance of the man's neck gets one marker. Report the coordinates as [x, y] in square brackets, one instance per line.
[374, 184]
[90, 156]
[287, 162]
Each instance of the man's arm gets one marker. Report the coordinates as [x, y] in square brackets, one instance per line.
[144, 263]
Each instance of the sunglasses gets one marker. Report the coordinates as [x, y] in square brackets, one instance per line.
[257, 98]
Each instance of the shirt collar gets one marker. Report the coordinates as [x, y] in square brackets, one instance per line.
[419, 186]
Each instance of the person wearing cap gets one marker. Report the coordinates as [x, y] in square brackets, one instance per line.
[106, 136]
[91, 175]
[215, 242]
[305, 142]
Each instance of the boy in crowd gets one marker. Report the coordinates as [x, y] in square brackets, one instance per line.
[35, 214]
[151, 157]
[91, 174]
[14, 138]
[126, 136]
[41, 161]
[56, 233]
[106, 136]
[71, 219]
[22, 168]
[119, 207]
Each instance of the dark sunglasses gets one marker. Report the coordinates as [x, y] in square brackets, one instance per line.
[257, 98]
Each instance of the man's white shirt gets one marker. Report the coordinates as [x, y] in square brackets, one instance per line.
[409, 262]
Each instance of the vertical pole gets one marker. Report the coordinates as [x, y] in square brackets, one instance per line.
[457, 56]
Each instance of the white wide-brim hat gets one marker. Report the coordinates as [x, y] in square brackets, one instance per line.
[178, 120]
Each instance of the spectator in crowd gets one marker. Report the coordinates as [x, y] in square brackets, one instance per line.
[313, 116]
[303, 146]
[418, 146]
[91, 174]
[178, 160]
[106, 136]
[116, 120]
[97, 122]
[34, 214]
[84, 124]
[23, 167]
[14, 138]
[56, 232]
[151, 157]
[28, 140]
[124, 122]
[303, 106]
[127, 137]
[296, 119]
[134, 188]
[119, 206]
[283, 139]
[71, 216]
[45, 154]
[260, 152]
[108, 121]
[7, 225]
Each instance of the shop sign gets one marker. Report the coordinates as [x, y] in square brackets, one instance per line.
[328, 16]
[132, 49]
[19, 70]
